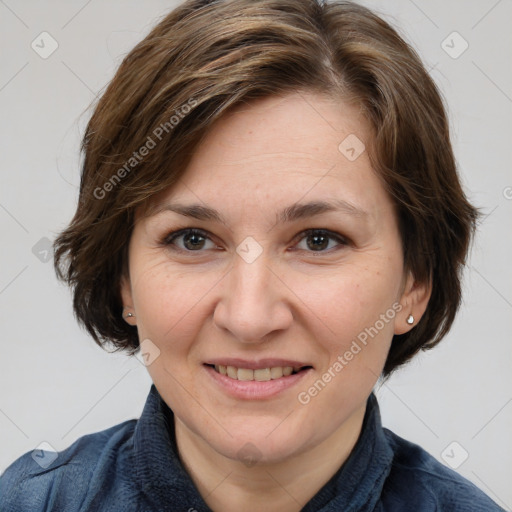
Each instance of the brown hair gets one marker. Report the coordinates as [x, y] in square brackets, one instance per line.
[206, 57]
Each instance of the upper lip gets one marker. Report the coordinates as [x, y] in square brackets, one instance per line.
[255, 364]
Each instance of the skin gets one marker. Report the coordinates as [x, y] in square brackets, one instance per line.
[292, 301]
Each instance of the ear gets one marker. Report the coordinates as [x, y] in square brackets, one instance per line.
[127, 298]
[414, 301]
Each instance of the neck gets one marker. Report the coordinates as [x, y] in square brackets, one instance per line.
[285, 486]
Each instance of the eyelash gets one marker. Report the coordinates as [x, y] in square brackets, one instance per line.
[171, 237]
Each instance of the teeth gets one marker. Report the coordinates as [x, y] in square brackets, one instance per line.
[245, 374]
[261, 375]
[276, 372]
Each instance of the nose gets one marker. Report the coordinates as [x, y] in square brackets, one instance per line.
[254, 301]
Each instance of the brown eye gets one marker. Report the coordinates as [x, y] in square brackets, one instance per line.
[320, 240]
[191, 240]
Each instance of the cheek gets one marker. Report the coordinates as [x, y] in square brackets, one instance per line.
[357, 325]
[335, 304]
[356, 331]
[351, 300]
[166, 301]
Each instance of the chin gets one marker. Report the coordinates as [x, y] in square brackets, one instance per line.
[262, 444]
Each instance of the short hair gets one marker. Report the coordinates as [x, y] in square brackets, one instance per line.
[205, 58]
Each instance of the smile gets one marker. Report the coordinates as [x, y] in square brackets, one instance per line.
[255, 379]
[260, 374]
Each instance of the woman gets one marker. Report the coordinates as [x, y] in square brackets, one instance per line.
[270, 211]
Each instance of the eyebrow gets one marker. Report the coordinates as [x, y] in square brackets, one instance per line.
[291, 213]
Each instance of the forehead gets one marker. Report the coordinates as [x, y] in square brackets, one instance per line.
[305, 129]
[282, 148]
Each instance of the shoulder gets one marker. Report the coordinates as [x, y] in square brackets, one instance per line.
[417, 477]
[40, 480]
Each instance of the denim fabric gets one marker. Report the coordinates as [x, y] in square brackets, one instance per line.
[134, 467]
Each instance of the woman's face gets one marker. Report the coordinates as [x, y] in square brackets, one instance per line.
[266, 282]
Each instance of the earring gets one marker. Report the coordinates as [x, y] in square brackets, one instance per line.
[128, 315]
[410, 320]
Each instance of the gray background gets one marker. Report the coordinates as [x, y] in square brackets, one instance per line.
[57, 385]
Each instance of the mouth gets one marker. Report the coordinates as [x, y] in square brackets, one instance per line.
[261, 379]
[257, 374]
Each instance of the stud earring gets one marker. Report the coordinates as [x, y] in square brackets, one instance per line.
[410, 320]
[129, 315]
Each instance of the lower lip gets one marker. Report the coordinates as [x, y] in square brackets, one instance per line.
[253, 389]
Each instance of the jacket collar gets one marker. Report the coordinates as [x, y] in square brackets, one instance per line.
[356, 486]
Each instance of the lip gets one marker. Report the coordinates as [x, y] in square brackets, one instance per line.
[256, 364]
[252, 389]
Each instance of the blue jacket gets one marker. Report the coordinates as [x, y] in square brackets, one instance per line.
[134, 467]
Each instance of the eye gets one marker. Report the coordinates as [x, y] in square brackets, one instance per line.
[192, 240]
[195, 240]
[318, 240]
